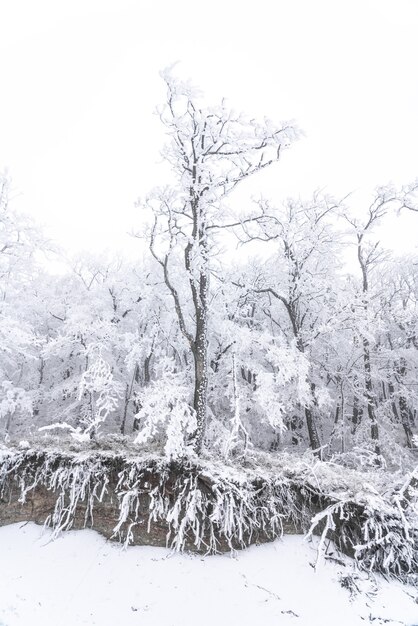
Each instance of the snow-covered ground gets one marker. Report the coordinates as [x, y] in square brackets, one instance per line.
[83, 579]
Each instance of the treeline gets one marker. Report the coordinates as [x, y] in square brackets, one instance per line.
[189, 348]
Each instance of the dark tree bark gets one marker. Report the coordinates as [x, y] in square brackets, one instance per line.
[405, 413]
[366, 262]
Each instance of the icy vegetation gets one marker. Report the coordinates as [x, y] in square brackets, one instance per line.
[194, 400]
[294, 350]
[211, 507]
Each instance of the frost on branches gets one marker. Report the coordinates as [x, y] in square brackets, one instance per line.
[166, 412]
[100, 388]
[211, 150]
[193, 351]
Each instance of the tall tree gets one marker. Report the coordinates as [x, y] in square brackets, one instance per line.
[298, 284]
[211, 151]
[369, 254]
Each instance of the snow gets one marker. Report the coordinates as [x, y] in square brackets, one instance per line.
[81, 578]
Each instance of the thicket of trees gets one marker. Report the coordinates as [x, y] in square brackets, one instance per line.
[192, 348]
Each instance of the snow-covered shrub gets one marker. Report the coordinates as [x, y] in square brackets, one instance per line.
[102, 390]
[166, 412]
[379, 530]
[13, 399]
[99, 394]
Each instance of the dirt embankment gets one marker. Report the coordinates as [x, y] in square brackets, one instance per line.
[208, 507]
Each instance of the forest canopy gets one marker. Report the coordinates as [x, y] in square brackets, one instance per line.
[193, 348]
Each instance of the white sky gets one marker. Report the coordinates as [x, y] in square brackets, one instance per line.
[80, 81]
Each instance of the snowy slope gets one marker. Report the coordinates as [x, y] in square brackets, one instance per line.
[83, 579]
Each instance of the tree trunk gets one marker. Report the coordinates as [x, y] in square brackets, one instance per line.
[313, 433]
[314, 439]
[357, 414]
[200, 355]
[391, 390]
[125, 410]
[369, 395]
[147, 380]
[374, 428]
[403, 407]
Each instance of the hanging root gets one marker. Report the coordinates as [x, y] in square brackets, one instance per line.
[380, 532]
[192, 505]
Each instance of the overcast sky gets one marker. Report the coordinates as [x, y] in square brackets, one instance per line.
[80, 81]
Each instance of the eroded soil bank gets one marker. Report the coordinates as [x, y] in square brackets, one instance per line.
[209, 507]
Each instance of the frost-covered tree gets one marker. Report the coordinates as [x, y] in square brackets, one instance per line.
[20, 243]
[299, 349]
[296, 286]
[369, 255]
[397, 285]
[102, 323]
[211, 150]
